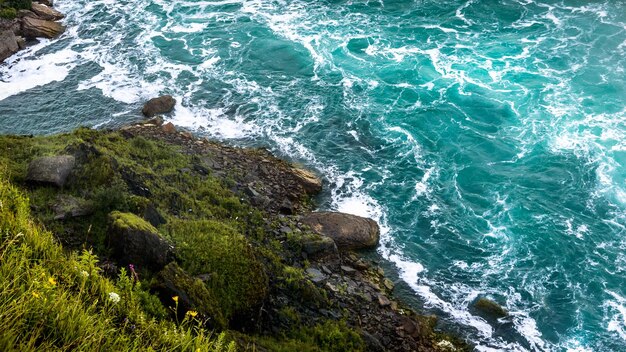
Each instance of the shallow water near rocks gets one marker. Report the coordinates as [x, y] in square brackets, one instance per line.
[486, 137]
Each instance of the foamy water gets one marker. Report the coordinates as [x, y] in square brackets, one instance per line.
[486, 138]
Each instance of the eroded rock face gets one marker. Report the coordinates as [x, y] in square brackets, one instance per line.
[51, 170]
[33, 27]
[348, 231]
[160, 105]
[136, 242]
[46, 13]
[8, 44]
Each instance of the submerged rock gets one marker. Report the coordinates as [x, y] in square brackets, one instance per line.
[34, 27]
[348, 231]
[160, 105]
[136, 242]
[52, 170]
[8, 44]
[489, 309]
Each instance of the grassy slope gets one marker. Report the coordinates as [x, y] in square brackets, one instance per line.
[50, 299]
[56, 298]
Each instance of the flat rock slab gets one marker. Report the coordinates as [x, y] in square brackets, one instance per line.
[46, 13]
[348, 231]
[33, 28]
[51, 170]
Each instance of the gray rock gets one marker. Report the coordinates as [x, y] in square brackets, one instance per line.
[47, 2]
[136, 242]
[46, 13]
[66, 207]
[383, 300]
[348, 270]
[348, 231]
[8, 44]
[33, 28]
[52, 170]
[315, 275]
[161, 105]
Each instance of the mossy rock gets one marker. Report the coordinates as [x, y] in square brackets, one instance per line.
[489, 309]
[219, 253]
[136, 242]
[191, 293]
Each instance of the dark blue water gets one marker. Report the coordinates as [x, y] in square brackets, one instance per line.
[487, 137]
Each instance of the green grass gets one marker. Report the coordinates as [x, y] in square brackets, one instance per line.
[51, 300]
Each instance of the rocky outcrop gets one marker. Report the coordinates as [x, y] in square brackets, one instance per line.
[135, 241]
[160, 105]
[348, 231]
[34, 27]
[46, 13]
[8, 44]
[51, 170]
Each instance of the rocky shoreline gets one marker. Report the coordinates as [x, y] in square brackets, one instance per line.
[40, 20]
[303, 266]
[358, 290]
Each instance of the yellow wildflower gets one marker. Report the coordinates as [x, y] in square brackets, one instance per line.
[52, 281]
[35, 294]
[192, 313]
[175, 298]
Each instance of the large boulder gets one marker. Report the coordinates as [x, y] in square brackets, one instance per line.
[136, 242]
[33, 28]
[8, 44]
[348, 231]
[50, 170]
[46, 13]
[160, 105]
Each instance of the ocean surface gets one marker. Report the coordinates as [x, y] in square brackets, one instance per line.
[488, 138]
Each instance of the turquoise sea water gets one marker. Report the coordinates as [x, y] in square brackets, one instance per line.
[487, 137]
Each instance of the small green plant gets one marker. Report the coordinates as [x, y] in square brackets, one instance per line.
[20, 4]
[8, 13]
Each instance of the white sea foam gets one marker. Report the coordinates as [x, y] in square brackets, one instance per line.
[27, 69]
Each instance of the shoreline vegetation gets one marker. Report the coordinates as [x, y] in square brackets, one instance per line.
[148, 238]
